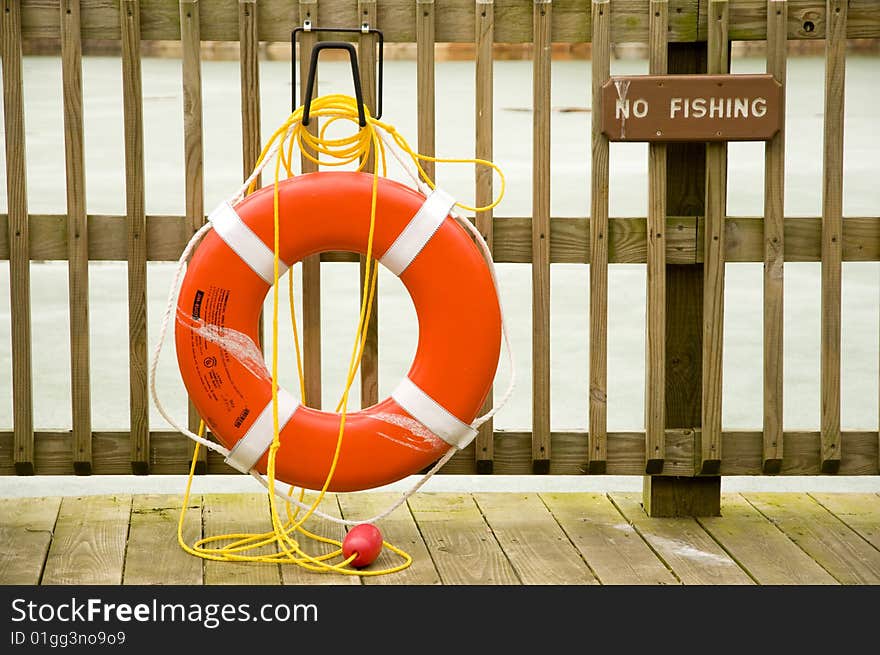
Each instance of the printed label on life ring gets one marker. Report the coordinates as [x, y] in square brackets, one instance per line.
[213, 347]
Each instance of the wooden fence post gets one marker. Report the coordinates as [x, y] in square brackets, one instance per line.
[685, 196]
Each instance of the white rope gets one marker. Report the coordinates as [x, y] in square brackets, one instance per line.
[280, 489]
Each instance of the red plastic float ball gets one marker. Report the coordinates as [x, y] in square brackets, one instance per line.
[365, 540]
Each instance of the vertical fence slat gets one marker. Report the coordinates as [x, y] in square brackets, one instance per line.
[655, 344]
[425, 81]
[541, 238]
[597, 451]
[249, 62]
[709, 455]
[137, 241]
[832, 227]
[77, 235]
[774, 247]
[249, 66]
[367, 61]
[484, 37]
[193, 150]
[311, 267]
[19, 253]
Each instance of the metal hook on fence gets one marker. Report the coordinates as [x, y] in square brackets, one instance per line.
[352, 53]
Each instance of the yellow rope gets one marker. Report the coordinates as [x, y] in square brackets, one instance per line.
[357, 147]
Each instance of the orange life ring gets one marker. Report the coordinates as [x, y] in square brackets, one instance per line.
[456, 304]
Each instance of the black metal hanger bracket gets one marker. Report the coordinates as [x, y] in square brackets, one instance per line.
[352, 54]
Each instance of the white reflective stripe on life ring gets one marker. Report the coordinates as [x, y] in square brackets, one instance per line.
[247, 245]
[256, 441]
[432, 415]
[410, 242]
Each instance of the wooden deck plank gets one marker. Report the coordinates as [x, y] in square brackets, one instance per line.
[861, 512]
[824, 537]
[759, 547]
[683, 545]
[153, 555]
[26, 526]
[293, 574]
[238, 513]
[463, 547]
[399, 529]
[533, 541]
[89, 542]
[610, 545]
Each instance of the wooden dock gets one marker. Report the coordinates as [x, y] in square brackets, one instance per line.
[565, 538]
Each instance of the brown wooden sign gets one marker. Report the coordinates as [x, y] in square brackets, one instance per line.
[691, 108]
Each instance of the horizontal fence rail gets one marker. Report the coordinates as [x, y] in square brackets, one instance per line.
[569, 239]
[455, 20]
[685, 240]
[741, 453]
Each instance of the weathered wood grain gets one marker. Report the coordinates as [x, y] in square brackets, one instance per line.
[832, 228]
[533, 541]
[153, 555]
[455, 20]
[18, 238]
[89, 542]
[425, 106]
[136, 255]
[685, 194]
[293, 574]
[609, 544]
[239, 514]
[26, 526]
[77, 235]
[713, 269]
[541, 453]
[463, 547]
[626, 453]
[774, 248]
[655, 309]
[399, 529]
[861, 512]
[311, 267]
[249, 66]
[484, 37]
[193, 152]
[760, 548]
[597, 454]
[367, 45]
[569, 239]
[683, 545]
[820, 534]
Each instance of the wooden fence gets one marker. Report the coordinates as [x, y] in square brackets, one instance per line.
[684, 241]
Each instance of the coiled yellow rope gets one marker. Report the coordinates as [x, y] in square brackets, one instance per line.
[357, 147]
